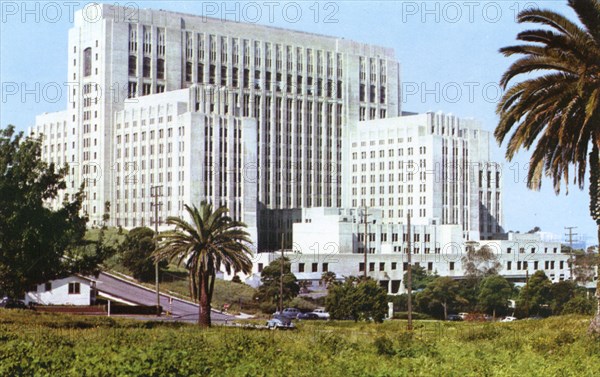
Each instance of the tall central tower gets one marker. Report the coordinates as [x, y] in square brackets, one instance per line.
[305, 92]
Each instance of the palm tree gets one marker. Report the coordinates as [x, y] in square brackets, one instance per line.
[210, 242]
[557, 107]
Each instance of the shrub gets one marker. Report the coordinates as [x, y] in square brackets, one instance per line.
[415, 315]
[579, 305]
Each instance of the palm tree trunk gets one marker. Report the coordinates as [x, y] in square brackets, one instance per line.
[594, 163]
[204, 307]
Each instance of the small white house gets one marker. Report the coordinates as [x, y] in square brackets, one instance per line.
[73, 290]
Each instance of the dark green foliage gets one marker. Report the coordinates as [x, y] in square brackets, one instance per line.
[136, 254]
[328, 278]
[38, 244]
[400, 302]
[494, 294]
[579, 304]
[357, 299]
[536, 296]
[561, 293]
[440, 296]
[270, 278]
[415, 315]
[420, 277]
[406, 345]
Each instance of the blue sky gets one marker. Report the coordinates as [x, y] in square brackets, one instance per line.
[448, 53]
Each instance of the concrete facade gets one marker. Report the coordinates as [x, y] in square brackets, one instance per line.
[334, 240]
[305, 92]
[434, 166]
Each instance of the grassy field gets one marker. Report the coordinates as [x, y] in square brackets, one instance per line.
[34, 344]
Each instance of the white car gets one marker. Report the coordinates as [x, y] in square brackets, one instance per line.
[508, 319]
[321, 313]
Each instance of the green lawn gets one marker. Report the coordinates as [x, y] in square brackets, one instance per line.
[60, 345]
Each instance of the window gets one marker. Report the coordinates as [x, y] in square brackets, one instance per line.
[260, 267]
[325, 267]
[372, 266]
[74, 288]
[87, 62]
[315, 267]
[47, 287]
[160, 69]
[361, 266]
[132, 65]
[451, 266]
[146, 67]
[382, 266]
[300, 267]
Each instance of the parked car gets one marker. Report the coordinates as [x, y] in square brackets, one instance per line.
[454, 317]
[10, 303]
[290, 313]
[321, 313]
[463, 315]
[508, 319]
[309, 315]
[280, 322]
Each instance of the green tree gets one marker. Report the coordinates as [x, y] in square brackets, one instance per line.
[557, 105]
[328, 278]
[443, 292]
[136, 254]
[494, 294]
[579, 305]
[561, 293]
[270, 278]
[419, 277]
[480, 262]
[210, 242]
[357, 299]
[535, 295]
[584, 267]
[37, 243]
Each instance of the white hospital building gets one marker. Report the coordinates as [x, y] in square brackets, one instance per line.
[294, 132]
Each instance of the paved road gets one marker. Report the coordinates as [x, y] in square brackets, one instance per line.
[181, 310]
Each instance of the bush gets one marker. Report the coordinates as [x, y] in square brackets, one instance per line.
[302, 304]
[415, 315]
[579, 305]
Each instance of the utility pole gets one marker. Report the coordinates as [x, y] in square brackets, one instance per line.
[154, 193]
[409, 326]
[365, 216]
[281, 276]
[570, 235]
